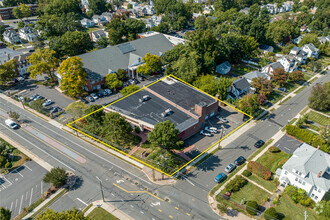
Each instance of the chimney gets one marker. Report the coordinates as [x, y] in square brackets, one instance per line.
[320, 173]
[268, 68]
[318, 147]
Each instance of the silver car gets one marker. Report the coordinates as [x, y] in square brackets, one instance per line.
[230, 167]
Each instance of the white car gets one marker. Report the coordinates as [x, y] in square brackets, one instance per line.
[47, 102]
[211, 129]
[94, 96]
[205, 133]
[230, 167]
[10, 123]
[108, 91]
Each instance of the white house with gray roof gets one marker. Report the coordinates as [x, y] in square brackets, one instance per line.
[255, 74]
[239, 88]
[311, 50]
[309, 169]
[269, 69]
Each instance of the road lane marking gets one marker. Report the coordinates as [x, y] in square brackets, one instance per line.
[159, 210]
[39, 148]
[189, 181]
[20, 207]
[137, 192]
[188, 214]
[82, 202]
[31, 196]
[176, 208]
[16, 204]
[170, 216]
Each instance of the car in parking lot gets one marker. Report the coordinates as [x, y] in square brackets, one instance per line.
[94, 96]
[240, 160]
[33, 97]
[205, 133]
[10, 123]
[105, 93]
[55, 109]
[211, 129]
[283, 89]
[259, 143]
[220, 177]
[84, 101]
[38, 97]
[108, 91]
[99, 94]
[90, 98]
[230, 167]
[224, 119]
[47, 102]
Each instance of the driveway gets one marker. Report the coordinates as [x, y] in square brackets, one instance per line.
[288, 144]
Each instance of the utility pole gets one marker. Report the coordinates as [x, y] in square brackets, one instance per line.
[222, 132]
[100, 181]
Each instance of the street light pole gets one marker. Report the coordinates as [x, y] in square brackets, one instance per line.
[100, 181]
[222, 132]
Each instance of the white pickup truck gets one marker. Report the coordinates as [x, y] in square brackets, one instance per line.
[10, 123]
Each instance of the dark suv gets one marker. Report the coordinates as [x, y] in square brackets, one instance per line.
[239, 161]
[259, 143]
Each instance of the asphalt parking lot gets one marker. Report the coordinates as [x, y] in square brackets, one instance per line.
[288, 144]
[21, 187]
[198, 143]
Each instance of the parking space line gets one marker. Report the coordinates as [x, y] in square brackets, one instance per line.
[20, 207]
[11, 206]
[16, 204]
[27, 167]
[26, 195]
[31, 196]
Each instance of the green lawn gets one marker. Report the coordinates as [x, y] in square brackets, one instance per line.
[268, 184]
[318, 118]
[271, 160]
[242, 69]
[307, 76]
[275, 97]
[100, 214]
[290, 210]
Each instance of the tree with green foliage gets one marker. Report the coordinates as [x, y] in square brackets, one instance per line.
[249, 103]
[187, 67]
[95, 113]
[60, 7]
[309, 38]
[20, 25]
[152, 64]
[49, 214]
[76, 109]
[200, 23]
[5, 214]
[13, 115]
[122, 74]
[252, 207]
[56, 176]
[161, 5]
[163, 27]
[271, 214]
[323, 208]
[213, 85]
[112, 81]
[164, 135]
[97, 6]
[319, 98]
[324, 48]
[73, 76]
[103, 42]
[43, 61]
[8, 71]
[22, 11]
[263, 85]
[282, 31]
[129, 89]
[279, 76]
[316, 65]
[177, 15]
[296, 75]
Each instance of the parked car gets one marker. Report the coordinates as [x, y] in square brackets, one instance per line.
[283, 89]
[105, 93]
[55, 109]
[33, 97]
[230, 167]
[224, 120]
[10, 123]
[99, 94]
[90, 98]
[211, 129]
[239, 161]
[38, 97]
[94, 96]
[84, 101]
[47, 102]
[108, 91]
[220, 177]
[259, 143]
[205, 133]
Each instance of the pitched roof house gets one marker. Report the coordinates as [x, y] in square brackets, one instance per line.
[11, 36]
[239, 88]
[97, 35]
[255, 74]
[26, 33]
[309, 169]
[87, 23]
[269, 69]
[223, 68]
[288, 62]
[311, 50]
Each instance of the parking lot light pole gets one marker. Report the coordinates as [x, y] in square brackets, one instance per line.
[100, 181]
[222, 132]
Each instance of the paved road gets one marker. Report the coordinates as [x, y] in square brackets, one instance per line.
[22, 187]
[188, 197]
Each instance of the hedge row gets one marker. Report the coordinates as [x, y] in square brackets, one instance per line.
[299, 196]
[259, 170]
[236, 184]
[307, 137]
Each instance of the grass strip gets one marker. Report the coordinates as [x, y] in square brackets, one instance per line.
[29, 209]
[285, 100]
[315, 78]
[298, 90]
[87, 208]
[48, 204]
[304, 111]
[293, 120]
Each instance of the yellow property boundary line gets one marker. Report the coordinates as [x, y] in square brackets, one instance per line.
[138, 192]
[69, 125]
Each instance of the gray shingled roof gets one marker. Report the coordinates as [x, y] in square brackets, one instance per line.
[255, 74]
[276, 65]
[117, 57]
[241, 84]
[310, 162]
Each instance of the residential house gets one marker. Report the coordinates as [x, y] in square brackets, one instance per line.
[308, 169]
[223, 68]
[27, 33]
[87, 23]
[324, 39]
[102, 19]
[299, 55]
[85, 5]
[239, 88]
[174, 40]
[255, 74]
[245, 10]
[269, 69]
[311, 50]
[11, 36]
[153, 21]
[289, 63]
[266, 48]
[297, 40]
[97, 35]
[127, 56]
[22, 64]
[304, 28]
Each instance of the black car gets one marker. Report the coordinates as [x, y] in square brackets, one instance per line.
[239, 161]
[100, 95]
[84, 101]
[259, 143]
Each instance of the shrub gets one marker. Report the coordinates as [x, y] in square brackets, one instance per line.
[222, 207]
[137, 130]
[247, 173]
[307, 137]
[323, 208]
[259, 170]
[299, 196]
[271, 213]
[7, 165]
[252, 207]
[236, 184]
[274, 149]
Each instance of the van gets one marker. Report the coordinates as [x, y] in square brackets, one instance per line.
[10, 123]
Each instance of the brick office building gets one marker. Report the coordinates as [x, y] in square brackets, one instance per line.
[7, 13]
[168, 99]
